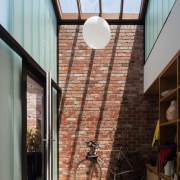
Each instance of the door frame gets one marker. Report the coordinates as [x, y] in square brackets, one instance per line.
[26, 71]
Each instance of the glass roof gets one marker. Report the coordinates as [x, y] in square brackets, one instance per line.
[111, 6]
[112, 9]
[89, 6]
[68, 6]
[132, 6]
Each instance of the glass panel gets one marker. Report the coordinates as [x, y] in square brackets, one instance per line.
[109, 6]
[89, 6]
[6, 113]
[68, 6]
[35, 130]
[132, 6]
[10, 114]
[4, 17]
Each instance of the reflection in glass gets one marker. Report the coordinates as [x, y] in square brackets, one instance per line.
[68, 6]
[89, 6]
[35, 130]
[132, 6]
[109, 6]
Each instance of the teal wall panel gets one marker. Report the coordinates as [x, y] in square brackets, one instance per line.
[33, 24]
[10, 114]
[157, 13]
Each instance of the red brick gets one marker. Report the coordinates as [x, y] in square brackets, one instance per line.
[103, 90]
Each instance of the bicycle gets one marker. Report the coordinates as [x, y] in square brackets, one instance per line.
[128, 167]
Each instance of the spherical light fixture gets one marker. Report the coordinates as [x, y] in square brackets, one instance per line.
[96, 32]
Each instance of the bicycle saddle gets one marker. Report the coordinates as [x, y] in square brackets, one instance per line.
[92, 144]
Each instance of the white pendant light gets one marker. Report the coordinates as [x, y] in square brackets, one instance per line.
[96, 32]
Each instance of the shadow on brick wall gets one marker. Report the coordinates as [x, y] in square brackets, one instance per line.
[65, 89]
[79, 119]
[138, 113]
[125, 116]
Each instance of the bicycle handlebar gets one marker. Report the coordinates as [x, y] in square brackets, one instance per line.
[92, 144]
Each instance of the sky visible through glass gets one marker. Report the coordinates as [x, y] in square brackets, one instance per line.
[108, 6]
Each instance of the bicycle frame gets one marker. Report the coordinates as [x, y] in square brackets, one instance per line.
[121, 153]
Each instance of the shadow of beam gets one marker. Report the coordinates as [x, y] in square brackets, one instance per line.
[63, 96]
[81, 112]
[107, 85]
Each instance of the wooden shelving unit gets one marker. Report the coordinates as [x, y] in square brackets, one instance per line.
[169, 79]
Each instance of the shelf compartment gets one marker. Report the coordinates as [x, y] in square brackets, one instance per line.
[171, 123]
[168, 134]
[164, 105]
[170, 70]
[170, 96]
[168, 79]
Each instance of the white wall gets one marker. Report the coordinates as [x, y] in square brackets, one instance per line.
[166, 46]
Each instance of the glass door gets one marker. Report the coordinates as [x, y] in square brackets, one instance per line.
[35, 132]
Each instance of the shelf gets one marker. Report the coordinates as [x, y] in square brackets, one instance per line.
[154, 169]
[162, 175]
[170, 96]
[174, 122]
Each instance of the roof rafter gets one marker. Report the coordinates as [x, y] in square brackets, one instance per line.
[143, 9]
[79, 9]
[100, 8]
[121, 12]
[57, 8]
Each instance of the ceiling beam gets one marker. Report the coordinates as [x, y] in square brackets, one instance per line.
[144, 5]
[57, 9]
[121, 12]
[79, 9]
[100, 8]
[108, 16]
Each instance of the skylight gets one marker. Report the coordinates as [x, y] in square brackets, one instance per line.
[132, 6]
[108, 9]
[68, 6]
[89, 6]
[111, 6]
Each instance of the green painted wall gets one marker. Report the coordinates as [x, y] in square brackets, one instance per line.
[157, 13]
[33, 24]
[10, 114]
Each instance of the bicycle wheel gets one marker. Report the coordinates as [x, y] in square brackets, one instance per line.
[87, 170]
[138, 172]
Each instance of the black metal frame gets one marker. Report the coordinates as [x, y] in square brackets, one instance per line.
[26, 71]
[24, 120]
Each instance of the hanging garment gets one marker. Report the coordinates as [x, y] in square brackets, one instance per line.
[163, 155]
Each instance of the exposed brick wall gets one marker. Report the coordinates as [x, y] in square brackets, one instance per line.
[102, 96]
